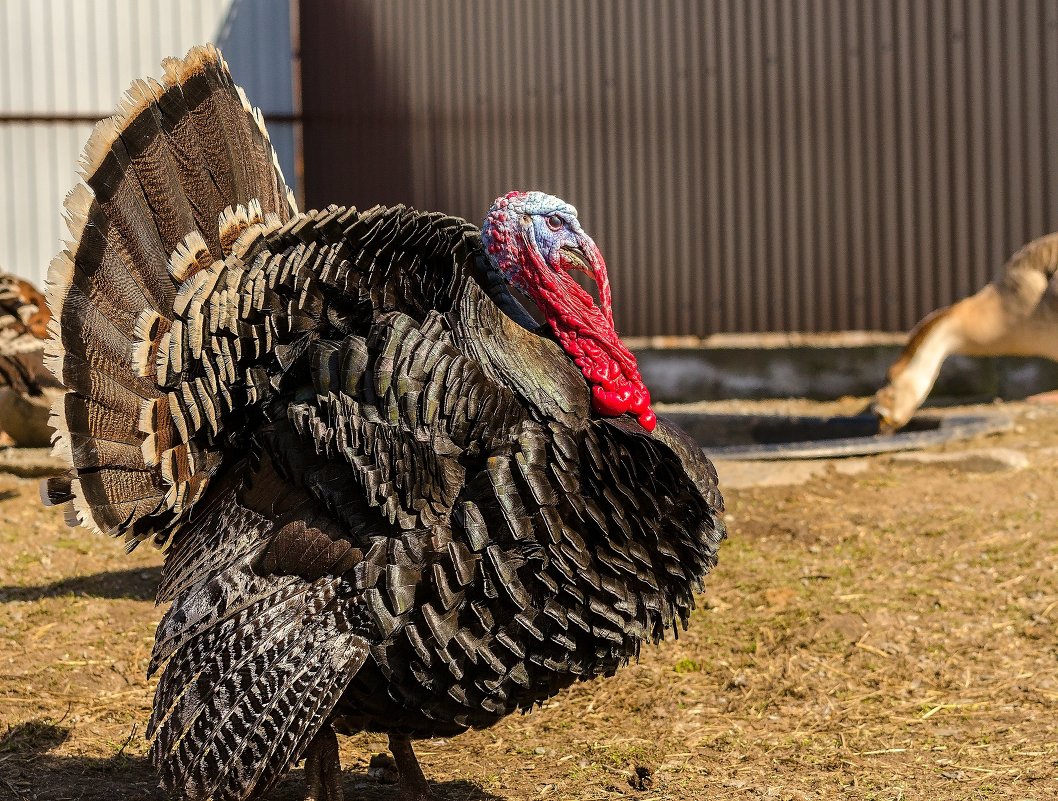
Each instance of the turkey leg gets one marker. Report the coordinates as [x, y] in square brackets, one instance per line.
[323, 770]
[413, 783]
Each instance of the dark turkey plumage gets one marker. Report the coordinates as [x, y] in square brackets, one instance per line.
[386, 501]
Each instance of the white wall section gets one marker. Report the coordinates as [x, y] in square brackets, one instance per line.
[65, 64]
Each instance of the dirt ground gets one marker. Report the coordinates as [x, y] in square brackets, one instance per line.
[884, 635]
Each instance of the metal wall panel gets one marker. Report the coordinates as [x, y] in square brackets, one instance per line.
[65, 63]
[744, 164]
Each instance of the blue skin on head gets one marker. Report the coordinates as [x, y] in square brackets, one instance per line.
[552, 224]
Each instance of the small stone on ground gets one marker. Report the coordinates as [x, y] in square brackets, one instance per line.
[383, 769]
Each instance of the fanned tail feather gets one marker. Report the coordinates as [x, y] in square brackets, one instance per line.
[169, 184]
[255, 666]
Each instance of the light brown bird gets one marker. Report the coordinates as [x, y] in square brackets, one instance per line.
[1015, 315]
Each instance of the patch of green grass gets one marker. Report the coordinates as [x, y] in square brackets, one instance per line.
[626, 752]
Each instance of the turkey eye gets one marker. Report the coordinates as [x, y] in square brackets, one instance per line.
[554, 222]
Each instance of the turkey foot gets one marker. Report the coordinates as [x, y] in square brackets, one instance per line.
[413, 784]
[323, 770]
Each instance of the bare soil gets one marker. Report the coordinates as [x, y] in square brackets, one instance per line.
[884, 635]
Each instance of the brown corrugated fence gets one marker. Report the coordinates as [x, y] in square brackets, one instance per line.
[745, 165]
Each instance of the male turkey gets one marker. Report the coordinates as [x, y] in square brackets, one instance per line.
[25, 384]
[390, 501]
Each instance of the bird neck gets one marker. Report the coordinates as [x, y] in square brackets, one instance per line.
[912, 376]
[587, 334]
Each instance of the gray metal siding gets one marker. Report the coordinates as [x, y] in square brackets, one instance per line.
[37, 169]
[65, 63]
[744, 164]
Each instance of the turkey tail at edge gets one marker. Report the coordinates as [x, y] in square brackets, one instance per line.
[24, 319]
[168, 186]
[24, 372]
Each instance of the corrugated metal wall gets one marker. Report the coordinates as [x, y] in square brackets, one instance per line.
[745, 164]
[65, 63]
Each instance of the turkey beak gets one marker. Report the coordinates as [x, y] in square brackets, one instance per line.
[577, 259]
[885, 425]
[587, 259]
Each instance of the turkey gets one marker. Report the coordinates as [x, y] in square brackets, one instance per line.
[1015, 315]
[389, 500]
[25, 384]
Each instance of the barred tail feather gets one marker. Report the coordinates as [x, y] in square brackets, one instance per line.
[254, 666]
[169, 184]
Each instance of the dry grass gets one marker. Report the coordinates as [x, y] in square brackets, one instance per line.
[885, 636]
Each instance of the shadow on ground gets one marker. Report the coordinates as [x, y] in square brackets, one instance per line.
[137, 584]
[29, 772]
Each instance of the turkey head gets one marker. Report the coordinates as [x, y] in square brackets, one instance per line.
[536, 241]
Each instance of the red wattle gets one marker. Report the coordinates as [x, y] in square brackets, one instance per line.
[610, 369]
[584, 330]
[607, 402]
[614, 392]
